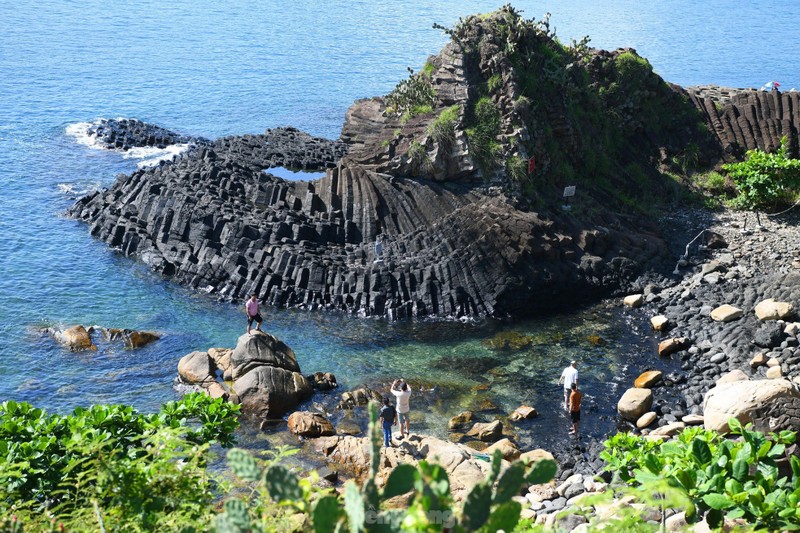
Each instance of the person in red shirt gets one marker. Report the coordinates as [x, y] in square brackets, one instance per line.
[575, 408]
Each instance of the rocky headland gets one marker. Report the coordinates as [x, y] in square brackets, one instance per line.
[458, 174]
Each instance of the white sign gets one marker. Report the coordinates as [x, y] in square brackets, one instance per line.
[569, 191]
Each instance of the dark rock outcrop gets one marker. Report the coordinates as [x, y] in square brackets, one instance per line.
[126, 133]
[746, 119]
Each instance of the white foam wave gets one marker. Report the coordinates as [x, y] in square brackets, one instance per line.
[151, 156]
[80, 132]
[66, 188]
[75, 190]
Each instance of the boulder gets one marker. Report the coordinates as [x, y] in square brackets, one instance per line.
[769, 309]
[747, 401]
[76, 338]
[322, 381]
[137, 339]
[196, 367]
[633, 300]
[645, 420]
[309, 425]
[693, 420]
[460, 420]
[714, 240]
[523, 412]
[774, 372]
[487, 432]
[215, 390]
[769, 335]
[659, 323]
[758, 359]
[670, 346]
[726, 313]
[646, 380]
[506, 447]
[261, 349]
[668, 430]
[269, 391]
[634, 403]
[733, 375]
[536, 455]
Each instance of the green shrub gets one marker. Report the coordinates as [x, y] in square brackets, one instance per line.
[765, 180]
[721, 478]
[517, 168]
[420, 160]
[488, 507]
[443, 129]
[413, 96]
[494, 83]
[483, 134]
[110, 464]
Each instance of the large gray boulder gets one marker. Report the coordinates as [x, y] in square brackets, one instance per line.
[261, 349]
[268, 391]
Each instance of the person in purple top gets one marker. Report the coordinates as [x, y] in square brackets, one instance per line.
[251, 306]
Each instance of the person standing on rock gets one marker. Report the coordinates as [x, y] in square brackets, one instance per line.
[388, 418]
[575, 408]
[402, 392]
[568, 377]
[251, 306]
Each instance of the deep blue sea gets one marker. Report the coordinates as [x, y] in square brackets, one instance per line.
[241, 66]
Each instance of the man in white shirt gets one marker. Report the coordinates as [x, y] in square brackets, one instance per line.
[402, 392]
[568, 377]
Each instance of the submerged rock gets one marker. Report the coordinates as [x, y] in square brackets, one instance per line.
[309, 425]
[76, 338]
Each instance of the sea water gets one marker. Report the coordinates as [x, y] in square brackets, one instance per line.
[212, 69]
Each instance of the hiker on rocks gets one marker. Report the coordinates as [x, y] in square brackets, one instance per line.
[575, 408]
[568, 377]
[402, 392]
[388, 418]
[251, 306]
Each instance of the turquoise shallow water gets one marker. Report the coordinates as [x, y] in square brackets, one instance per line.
[242, 66]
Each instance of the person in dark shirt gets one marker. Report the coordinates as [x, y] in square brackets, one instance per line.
[388, 418]
[575, 408]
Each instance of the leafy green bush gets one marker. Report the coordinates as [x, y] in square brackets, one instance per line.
[765, 180]
[413, 96]
[111, 464]
[488, 507]
[722, 478]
